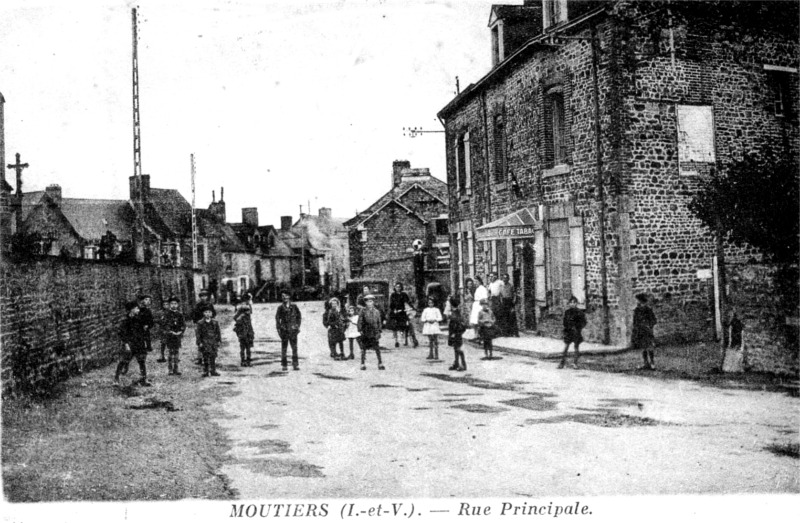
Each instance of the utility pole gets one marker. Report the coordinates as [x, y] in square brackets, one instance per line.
[138, 237]
[194, 218]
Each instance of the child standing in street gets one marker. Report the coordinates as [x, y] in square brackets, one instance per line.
[370, 323]
[574, 322]
[455, 328]
[174, 327]
[243, 327]
[642, 336]
[208, 341]
[287, 322]
[486, 327]
[430, 319]
[132, 336]
[351, 333]
[332, 320]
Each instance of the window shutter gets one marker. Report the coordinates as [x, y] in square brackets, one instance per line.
[540, 282]
[467, 162]
[577, 259]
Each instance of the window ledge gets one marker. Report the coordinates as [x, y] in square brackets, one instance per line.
[557, 170]
[501, 186]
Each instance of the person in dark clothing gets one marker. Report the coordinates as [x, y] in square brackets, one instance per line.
[398, 318]
[574, 322]
[147, 320]
[487, 328]
[174, 326]
[243, 327]
[287, 321]
[509, 321]
[735, 328]
[455, 329]
[642, 336]
[197, 315]
[370, 322]
[334, 321]
[131, 334]
[208, 341]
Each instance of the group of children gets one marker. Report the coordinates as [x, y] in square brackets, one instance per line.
[362, 326]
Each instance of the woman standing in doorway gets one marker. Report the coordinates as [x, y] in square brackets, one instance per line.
[481, 293]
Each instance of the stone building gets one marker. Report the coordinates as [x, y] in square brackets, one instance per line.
[307, 273]
[327, 235]
[571, 162]
[383, 236]
[275, 260]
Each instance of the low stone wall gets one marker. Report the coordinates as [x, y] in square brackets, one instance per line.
[770, 341]
[60, 317]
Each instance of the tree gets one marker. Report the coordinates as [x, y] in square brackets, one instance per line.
[754, 201]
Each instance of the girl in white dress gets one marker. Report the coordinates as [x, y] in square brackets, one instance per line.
[351, 332]
[481, 293]
[430, 319]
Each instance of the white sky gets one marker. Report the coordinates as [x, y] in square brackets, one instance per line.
[281, 102]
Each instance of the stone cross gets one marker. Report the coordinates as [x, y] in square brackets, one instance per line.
[18, 168]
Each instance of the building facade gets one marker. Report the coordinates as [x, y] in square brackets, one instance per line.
[571, 163]
[411, 216]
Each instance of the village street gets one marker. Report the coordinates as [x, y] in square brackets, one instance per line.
[514, 426]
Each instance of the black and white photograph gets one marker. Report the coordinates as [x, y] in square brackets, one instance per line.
[385, 260]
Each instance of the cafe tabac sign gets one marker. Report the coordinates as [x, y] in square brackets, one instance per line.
[520, 224]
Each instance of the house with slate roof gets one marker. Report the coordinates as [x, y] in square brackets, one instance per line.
[328, 236]
[382, 237]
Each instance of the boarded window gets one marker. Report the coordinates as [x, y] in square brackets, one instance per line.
[695, 138]
[441, 227]
[780, 83]
[463, 163]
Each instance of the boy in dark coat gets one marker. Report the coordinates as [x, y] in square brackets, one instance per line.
[370, 322]
[147, 320]
[455, 330]
[208, 341]
[131, 334]
[174, 326]
[574, 322]
[197, 315]
[287, 321]
[642, 336]
[243, 327]
[333, 320]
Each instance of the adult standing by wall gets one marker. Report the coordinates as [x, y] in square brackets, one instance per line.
[508, 318]
[496, 300]
[481, 293]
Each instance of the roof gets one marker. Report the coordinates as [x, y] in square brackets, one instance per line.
[521, 217]
[209, 225]
[29, 200]
[397, 203]
[92, 218]
[433, 186]
[537, 42]
[174, 210]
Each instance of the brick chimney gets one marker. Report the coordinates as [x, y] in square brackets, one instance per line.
[54, 192]
[325, 212]
[397, 171]
[217, 208]
[134, 188]
[250, 216]
[286, 223]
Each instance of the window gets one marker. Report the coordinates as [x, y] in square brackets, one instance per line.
[498, 51]
[695, 138]
[463, 163]
[499, 149]
[556, 134]
[441, 227]
[555, 11]
[781, 93]
[201, 254]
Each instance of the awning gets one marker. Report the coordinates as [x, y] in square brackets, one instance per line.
[516, 225]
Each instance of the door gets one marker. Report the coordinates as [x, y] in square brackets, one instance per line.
[528, 287]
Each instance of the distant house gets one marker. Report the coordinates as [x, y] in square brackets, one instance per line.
[383, 236]
[328, 236]
[272, 268]
[308, 271]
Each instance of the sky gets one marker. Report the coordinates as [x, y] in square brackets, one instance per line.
[283, 103]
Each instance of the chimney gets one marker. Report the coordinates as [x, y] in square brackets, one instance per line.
[286, 223]
[397, 171]
[217, 208]
[325, 212]
[250, 216]
[134, 188]
[54, 192]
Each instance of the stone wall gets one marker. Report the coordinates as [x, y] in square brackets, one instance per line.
[60, 317]
[770, 334]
